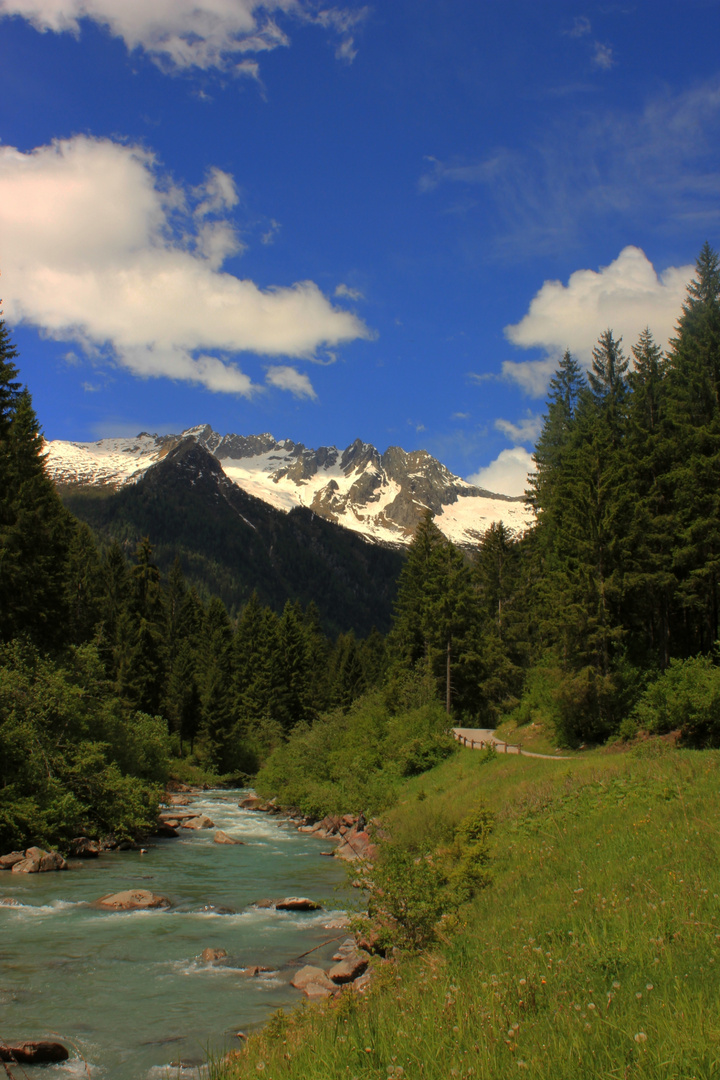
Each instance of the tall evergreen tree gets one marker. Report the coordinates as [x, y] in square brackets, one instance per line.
[694, 412]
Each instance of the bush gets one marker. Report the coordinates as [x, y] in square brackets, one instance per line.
[355, 760]
[415, 892]
[686, 697]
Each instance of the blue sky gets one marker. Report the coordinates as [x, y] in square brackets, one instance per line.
[382, 221]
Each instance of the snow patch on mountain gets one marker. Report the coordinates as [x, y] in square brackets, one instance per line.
[380, 496]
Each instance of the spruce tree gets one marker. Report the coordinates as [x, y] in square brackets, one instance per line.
[35, 529]
[694, 413]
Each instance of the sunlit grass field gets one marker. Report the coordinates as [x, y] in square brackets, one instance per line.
[594, 952]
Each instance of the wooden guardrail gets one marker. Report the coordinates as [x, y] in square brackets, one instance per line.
[483, 744]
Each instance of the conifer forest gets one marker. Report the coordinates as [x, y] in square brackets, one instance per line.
[601, 619]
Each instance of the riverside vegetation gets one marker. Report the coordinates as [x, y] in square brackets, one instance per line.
[599, 623]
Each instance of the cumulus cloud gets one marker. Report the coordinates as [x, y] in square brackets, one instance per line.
[507, 474]
[344, 291]
[99, 249]
[626, 296]
[289, 378]
[525, 431]
[184, 34]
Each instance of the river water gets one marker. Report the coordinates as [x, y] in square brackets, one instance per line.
[129, 989]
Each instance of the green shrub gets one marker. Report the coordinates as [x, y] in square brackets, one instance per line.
[685, 697]
[416, 890]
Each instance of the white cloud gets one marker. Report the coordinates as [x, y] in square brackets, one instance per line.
[507, 474]
[272, 231]
[603, 57]
[348, 293]
[580, 27]
[653, 168]
[183, 34]
[525, 431]
[463, 172]
[626, 296]
[288, 378]
[100, 250]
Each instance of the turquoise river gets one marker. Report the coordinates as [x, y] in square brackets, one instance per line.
[129, 990]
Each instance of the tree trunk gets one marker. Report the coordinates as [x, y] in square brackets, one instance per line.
[447, 680]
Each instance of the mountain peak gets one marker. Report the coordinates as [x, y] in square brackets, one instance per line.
[381, 496]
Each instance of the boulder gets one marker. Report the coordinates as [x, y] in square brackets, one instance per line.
[37, 861]
[200, 822]
[83, 848]
[8, 861]
[177, 800]
[208, 955]
[165, 829]
[33, 1053]
[252, 802]
[221, 837]
[132, 900]
[348, 970]
[349, 819]
[297, 903]
[311, 976]
[315, 992]
[264, 904]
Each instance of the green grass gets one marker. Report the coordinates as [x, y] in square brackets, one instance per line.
[594, 953]
[534, 737]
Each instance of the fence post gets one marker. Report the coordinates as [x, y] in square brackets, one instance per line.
[506, 748]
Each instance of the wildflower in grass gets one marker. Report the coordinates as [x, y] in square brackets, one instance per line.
[649, 986]
[641, 1037]
[260, 1065]
[616, 985]
[638, 995]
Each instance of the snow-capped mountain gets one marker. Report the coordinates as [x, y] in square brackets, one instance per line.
[382, 496]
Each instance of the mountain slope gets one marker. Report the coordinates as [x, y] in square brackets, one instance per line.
[231, 543]
[381, 496]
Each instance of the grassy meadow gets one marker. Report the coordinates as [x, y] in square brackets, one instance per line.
[594, 952]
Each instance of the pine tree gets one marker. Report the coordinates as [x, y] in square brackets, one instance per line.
[35, 529]
[694, 412]
[650, 581]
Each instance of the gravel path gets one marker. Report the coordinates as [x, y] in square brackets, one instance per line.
[479, 738]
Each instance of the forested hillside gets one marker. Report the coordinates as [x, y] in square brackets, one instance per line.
[602, 618]
[111, 673]
[618, 581]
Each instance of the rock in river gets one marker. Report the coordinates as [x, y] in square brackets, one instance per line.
[199, 822]
[132, 900]
[83, 848]
[8, 861]
[221, 837]
[37, 861]
[297, 903]
[33, 1053]
[208, 955]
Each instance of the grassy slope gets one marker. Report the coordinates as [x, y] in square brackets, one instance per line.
[594, 954]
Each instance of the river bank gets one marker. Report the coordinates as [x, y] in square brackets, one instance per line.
[130, 990]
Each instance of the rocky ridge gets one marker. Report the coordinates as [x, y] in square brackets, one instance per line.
[381, 496]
